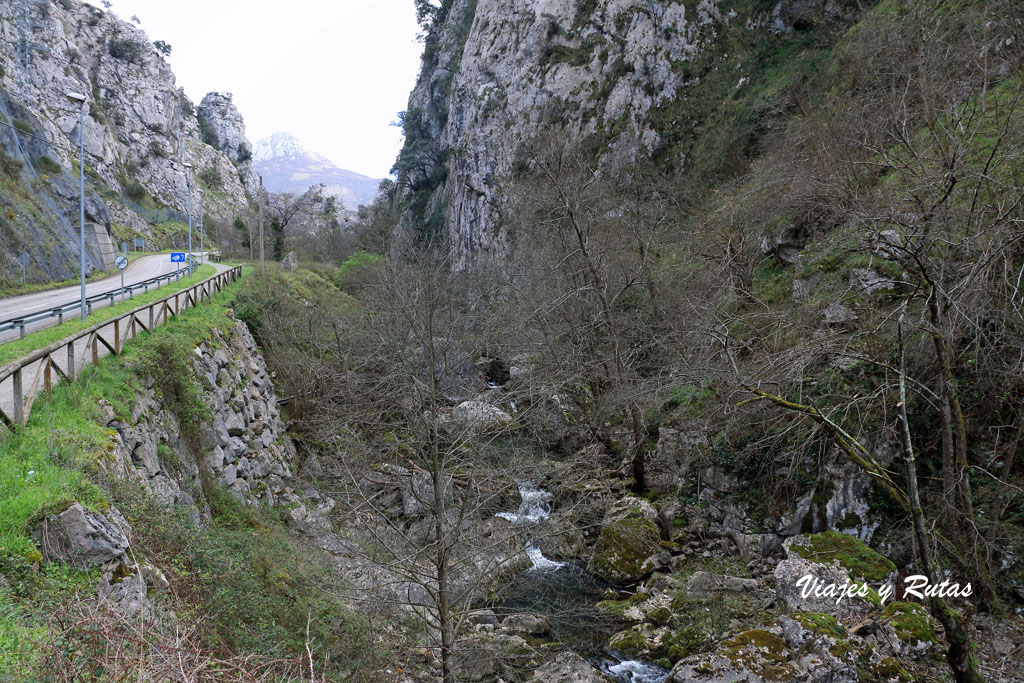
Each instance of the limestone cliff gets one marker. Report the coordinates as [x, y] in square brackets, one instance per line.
[639, 79]
[139, 130]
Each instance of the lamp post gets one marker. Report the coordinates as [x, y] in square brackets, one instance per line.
[188, 170]
[202, 230]
[80, 98]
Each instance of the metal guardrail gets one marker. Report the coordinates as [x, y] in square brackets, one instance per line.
[58, 312]
[124, 326]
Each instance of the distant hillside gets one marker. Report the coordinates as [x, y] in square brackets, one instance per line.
[287, 166]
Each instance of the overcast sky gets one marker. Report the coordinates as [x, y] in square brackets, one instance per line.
[333, 73]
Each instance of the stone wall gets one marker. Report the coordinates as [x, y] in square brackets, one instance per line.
[243, 447]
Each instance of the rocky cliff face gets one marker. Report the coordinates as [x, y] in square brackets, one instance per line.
[139, 127]
[636, 78]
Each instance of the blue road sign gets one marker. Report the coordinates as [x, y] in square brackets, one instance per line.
[177, 257]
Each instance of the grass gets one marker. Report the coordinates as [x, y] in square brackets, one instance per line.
[20, 348]
[242, 575]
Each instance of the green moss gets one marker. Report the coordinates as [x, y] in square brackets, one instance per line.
[760, 652]
[684, 641]
[630, 643]
[820, 623]
[622, 548]
[853, 554]
[911, 622]
[659, 616]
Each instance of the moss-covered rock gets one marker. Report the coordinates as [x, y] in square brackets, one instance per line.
[622, 548]
[630, 643]
[853, 554]
[754, 655]
[820, 623]
[911, 622]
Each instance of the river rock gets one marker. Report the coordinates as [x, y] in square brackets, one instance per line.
[533, 624]
[80, 537]
[569, 667]
[480, 417]
[628, 537]
[702, 585]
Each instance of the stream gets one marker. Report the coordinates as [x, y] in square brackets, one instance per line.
[566, 594]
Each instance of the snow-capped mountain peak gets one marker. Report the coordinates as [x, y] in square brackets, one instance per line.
[288, 166]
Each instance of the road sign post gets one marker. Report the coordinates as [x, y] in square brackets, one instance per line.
[177, 257]
[122, 263]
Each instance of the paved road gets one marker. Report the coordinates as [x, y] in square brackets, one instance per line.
[138, 270]
[82, 353]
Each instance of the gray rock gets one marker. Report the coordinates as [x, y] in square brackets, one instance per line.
[81, 538]
[703, 585]
[837, 314]
[569, 667]
[290, 262]
[219, 113]
[477, 416]
[533, 624]
[146, 456]
[235, 423]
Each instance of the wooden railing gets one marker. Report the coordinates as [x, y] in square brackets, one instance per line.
[125, 327]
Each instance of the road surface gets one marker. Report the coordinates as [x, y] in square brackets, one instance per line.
[140, 269]
[81, 352]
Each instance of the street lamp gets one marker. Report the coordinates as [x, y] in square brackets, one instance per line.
[80, 98]
[202, 230]
[188, 169]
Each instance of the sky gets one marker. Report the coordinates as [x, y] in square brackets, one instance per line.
[333, 73]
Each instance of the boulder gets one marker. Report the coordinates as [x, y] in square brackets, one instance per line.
[702, 585]
[80, 537]
[753, 656]
[832, 562]
[290, 262]
[628, 537]
[569, 667]
[533, 624]
[480, 417]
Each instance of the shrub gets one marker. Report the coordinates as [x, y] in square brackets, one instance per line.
[244, 154]
[208, 134]
[170, 363]
[157, 150]
[135, 190]
[126, 50]
[10, 165]
[211, 177]
[186, 104]
[48, 165]
[359, 271]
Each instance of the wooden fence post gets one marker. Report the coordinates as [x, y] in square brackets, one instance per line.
[19, 399]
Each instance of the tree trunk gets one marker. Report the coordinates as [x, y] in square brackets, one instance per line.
[959, 657]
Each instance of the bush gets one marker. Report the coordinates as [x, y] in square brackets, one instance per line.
[244, 154]
[212, 178]
[208, 134]
[135, 190]
[126, 50]
[10, 165]
[170, 363]
[359, 271]
[157, 150]
[48, 165]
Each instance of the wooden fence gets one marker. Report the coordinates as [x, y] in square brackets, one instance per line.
[146, 317]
